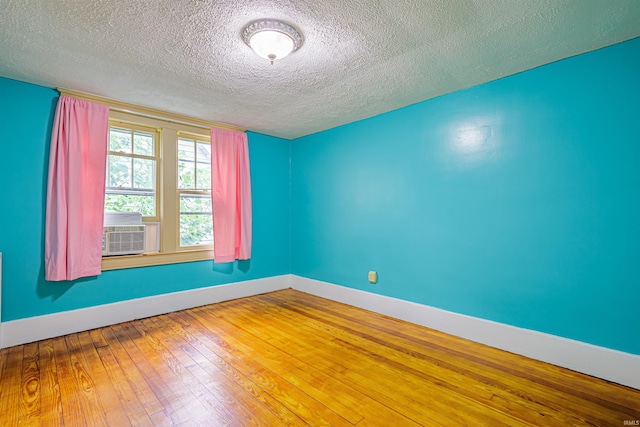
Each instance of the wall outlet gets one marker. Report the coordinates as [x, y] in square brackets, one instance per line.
[373, 277]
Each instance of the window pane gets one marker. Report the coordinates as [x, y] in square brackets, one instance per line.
[120, 140]
[186, 165]
[145, 204]
[203, 166]
[196, 224]
[186, 174]
[119, 173]
[143, 143]
[186, 149]
[193, 203]
[204, 176]
[196, 230]
[204, 152]
[144, 174]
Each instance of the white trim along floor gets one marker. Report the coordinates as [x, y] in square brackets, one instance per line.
[601, 362]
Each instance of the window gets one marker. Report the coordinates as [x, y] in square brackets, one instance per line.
[162, 170]
[132, 161]
[194, 188]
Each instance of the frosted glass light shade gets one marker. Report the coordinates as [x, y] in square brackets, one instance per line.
[271, 45]
[271, 39]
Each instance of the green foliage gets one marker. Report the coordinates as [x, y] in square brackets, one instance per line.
[194, 164]
[143, 143]
[120, 140]
[204, 176]
[186, 175]
[130, 203]
[196, 223]
[119, 171]
[144, 175]
[196, 230]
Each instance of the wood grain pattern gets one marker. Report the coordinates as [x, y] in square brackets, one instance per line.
[291, 359]
[30, 385]
[50, 402]
[10, 389]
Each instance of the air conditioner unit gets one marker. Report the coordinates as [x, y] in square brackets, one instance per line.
[123, 240]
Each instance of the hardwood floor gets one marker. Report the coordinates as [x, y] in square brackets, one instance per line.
[288, 358]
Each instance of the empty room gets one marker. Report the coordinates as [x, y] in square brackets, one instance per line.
[338, 213]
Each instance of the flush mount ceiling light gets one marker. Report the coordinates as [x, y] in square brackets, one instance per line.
[271, 39]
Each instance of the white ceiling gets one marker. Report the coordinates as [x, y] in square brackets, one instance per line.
[360, 58]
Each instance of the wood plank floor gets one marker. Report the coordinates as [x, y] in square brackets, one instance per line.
[291, 359]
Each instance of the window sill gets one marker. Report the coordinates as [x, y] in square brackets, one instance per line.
[146, 260]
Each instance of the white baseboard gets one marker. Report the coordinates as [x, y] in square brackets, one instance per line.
[37, 328]
[601, 362]
[612, 365]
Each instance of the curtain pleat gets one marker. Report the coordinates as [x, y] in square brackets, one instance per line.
[75, 190]
[231, 195]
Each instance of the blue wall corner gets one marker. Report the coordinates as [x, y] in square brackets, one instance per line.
[516, 201]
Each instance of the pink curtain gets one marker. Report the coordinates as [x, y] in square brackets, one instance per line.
[231, 195]
[75, 190]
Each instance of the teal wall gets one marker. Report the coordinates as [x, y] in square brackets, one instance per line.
[27, 112]
[516, 201]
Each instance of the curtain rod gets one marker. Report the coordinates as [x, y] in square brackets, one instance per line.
[147, 111]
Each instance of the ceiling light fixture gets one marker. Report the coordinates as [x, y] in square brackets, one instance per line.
[271, 39]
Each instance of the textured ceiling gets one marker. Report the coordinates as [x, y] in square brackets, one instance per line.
[360, 57]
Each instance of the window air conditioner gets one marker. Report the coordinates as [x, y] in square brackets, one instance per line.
[123, 240]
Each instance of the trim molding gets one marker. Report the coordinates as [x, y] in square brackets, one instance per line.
[601, 362]
[612, 365]
[147, 111]
[149, 259]
[37, 328]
